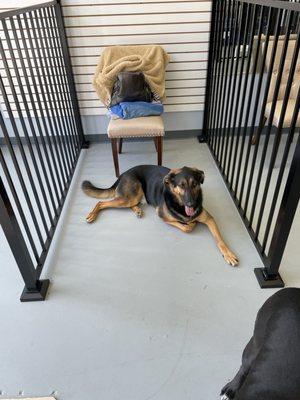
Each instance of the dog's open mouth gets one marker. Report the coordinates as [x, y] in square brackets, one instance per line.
[190, 211]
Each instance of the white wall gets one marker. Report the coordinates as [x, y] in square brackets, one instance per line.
[181, 27]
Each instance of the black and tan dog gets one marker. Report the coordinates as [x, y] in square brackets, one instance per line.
[176, 194]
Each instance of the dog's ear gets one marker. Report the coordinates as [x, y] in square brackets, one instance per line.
[199, 175]
[202, 176]
[169, 179]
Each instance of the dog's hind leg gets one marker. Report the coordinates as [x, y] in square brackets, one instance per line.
[118, 202]
[127, 196]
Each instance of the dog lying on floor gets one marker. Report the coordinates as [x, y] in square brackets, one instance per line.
[271, 360]
[176, 194]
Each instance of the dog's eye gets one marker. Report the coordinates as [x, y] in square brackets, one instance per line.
[182, 185]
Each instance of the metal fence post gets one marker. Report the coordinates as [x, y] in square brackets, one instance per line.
[202, 138]
[269, 277]
[69, 73]
[35, 289]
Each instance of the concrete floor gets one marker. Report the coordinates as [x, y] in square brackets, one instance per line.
[137, 310]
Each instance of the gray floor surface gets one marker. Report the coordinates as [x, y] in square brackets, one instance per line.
[137, 310]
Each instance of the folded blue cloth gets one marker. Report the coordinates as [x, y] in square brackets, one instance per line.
[135, 109]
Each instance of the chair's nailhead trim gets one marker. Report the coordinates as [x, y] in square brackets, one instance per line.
[133, 136]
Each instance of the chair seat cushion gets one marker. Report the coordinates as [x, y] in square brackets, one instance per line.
[136, 127]
[288, 114]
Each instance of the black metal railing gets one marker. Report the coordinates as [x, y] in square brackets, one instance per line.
[251, 118]
[41, 135]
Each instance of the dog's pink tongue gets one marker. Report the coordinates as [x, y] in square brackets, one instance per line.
[190, 211]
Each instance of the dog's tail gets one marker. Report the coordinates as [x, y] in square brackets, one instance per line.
[99, 193]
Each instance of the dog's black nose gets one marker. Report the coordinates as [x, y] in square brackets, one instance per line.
[189, 204]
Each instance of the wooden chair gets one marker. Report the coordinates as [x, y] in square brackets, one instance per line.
[119, 129]
[294, 89]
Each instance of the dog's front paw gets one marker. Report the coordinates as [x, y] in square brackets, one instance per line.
[224, 397]
[91, 217]
[229, 256]
[227, 393]
[140, 214]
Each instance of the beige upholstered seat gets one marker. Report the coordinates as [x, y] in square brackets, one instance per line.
[136, 127]
[119, 129]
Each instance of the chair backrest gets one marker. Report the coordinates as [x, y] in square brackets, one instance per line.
[286, 70]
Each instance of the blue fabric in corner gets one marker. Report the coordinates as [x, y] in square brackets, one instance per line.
[135, 109]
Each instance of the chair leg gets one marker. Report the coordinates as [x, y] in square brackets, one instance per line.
[159, 144]
[155, 143]
[120, 145]
[114, 148]
[258, 132]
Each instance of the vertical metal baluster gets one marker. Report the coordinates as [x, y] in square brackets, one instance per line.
[222, 80]
[72, 145]
[15, 161]
[205, 136]
[52, 105]
[228, 80]
[69, 73]
[64, 73]
[236, 130]
[264, 152]
[17, 200]
[257, 96]
[231, 130]
[35, 109]
[49, 128]
[218, 69]
[269, 277]
[219, 7]
[281, 170]
[226, 129]
[61, 89]
[278, 134]
[30, 121]
[246, 77]
[20, 145]
[54, 90]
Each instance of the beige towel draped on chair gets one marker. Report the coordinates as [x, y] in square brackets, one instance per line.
[152, 61]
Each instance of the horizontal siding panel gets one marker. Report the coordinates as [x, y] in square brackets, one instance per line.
[173, 96]
[139, 8]
[123, 20]
[93, 59]
[172, 70]
[91, 95]
[170, 48]
[142, 39]
[172, 75]
[175, 58]
[136, 29]
[186, 83]
[80, 3]
[88, 87]
[90, 70]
